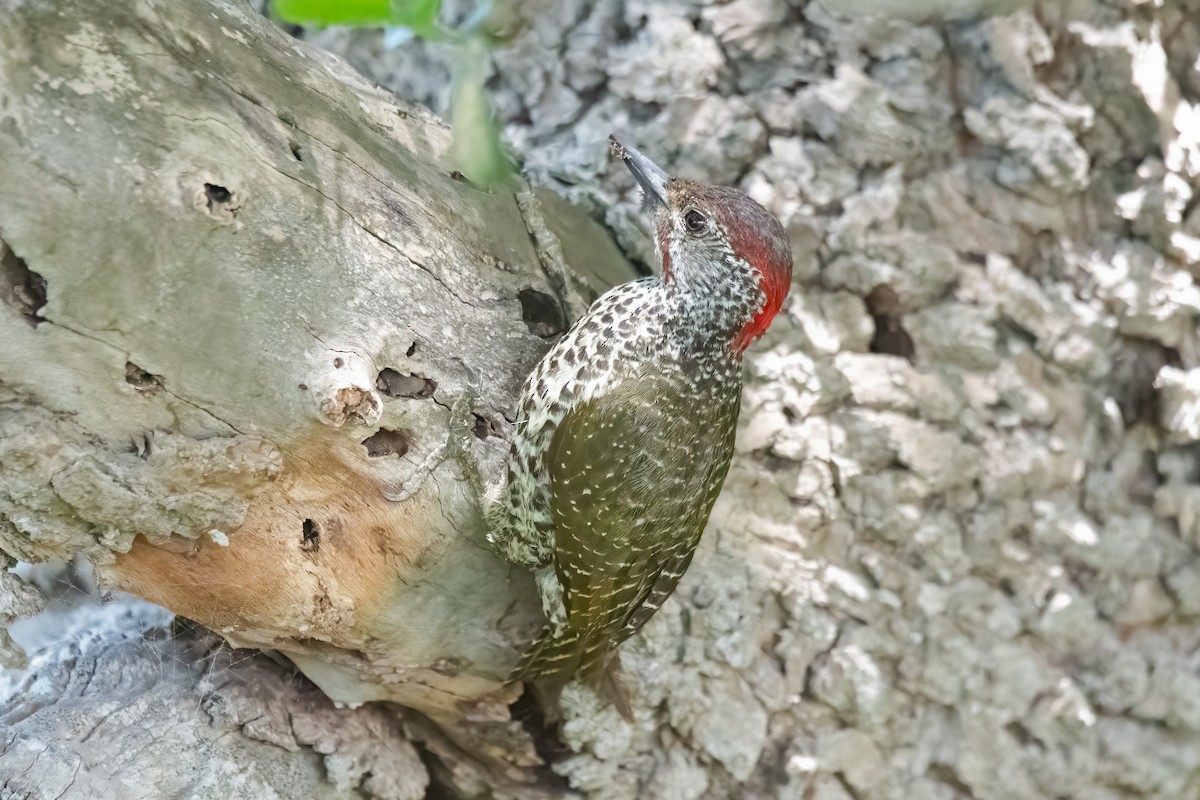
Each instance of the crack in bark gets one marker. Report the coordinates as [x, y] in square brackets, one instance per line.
[104, 718]
[349, 215]
[548, 251]
[413, 203]
[78, 766]
[432, 221]
[126, 356]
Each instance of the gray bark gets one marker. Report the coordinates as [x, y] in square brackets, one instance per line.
[956, 555]
[124, 707]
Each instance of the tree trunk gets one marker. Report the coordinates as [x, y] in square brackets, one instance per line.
[264, 344]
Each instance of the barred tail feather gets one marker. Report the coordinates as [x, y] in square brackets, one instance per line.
[549, 656]
[610, 684]
[547, 666]
[550, 663]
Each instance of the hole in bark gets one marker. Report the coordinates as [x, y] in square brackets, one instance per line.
[394, 384]
[310, 541]
[144, 382]
[485, 427]
[890, 337]
[24, 290]
[296, 152]
[541, 313]
[337, 363]
[1131, 379]
[411, 351]
[527, 712]
[217, 195]
[1021, 734]
[386, 442]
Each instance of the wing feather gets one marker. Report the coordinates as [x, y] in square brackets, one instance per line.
[633, 476]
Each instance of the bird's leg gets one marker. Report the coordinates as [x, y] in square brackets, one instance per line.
[550, 256]
[550, 591]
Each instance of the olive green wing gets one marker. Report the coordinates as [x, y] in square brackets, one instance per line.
[633, 476]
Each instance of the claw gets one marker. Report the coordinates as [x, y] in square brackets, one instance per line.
[418, 478]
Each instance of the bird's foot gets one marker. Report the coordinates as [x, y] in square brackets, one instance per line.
[411, 486]
[551, 592]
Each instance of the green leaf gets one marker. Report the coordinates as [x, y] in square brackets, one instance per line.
[476, 136]
[419, 15]
[335, 12]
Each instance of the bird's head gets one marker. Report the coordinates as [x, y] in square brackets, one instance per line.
[715, 242]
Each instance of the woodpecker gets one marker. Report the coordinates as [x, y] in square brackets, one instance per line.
[625, 428]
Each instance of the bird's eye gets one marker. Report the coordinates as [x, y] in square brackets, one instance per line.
[695, 221]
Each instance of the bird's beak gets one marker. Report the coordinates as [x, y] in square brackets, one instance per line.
[648, 174]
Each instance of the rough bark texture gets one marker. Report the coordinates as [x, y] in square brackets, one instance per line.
[956, 555]
[124, 706]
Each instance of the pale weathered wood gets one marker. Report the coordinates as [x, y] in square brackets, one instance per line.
[265, 290]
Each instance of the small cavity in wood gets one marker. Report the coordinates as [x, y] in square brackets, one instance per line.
[392, 383]
[144, 382]
[890, 336]
[1132, 378]
[486, 426]
[221, 204]
[23, 289]
[542, 314]
[310, 532]
[386, 442]
[217, 195]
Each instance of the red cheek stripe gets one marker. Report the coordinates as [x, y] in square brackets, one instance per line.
[664, 250]
[775, 285]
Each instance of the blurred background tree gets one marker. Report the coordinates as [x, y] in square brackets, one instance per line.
[476, 135]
